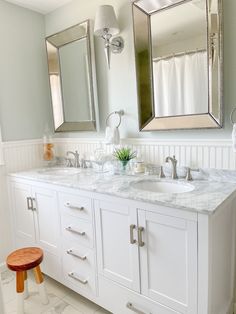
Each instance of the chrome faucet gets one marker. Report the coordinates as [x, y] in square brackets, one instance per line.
[174, 166]
[76, 158]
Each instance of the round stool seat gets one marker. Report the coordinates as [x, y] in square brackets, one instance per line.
[24, 259]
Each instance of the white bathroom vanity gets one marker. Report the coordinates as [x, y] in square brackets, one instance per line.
[130, 250]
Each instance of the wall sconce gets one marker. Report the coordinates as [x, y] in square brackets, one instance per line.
[106, 26]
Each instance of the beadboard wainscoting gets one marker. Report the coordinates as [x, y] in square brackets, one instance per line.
[216, 154]
[22, 155]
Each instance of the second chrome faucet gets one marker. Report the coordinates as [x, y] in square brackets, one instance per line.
[174, 166]
[76, 162]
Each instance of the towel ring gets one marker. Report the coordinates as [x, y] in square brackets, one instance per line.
[232, 116]
[120, 113]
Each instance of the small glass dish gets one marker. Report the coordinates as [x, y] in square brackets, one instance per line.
[99, 160]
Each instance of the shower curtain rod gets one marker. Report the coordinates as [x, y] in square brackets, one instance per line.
[178, 54]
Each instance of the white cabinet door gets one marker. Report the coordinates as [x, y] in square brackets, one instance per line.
[47, 220]
[117, 256]
[23, 217]
[168, 261]
[37, 223]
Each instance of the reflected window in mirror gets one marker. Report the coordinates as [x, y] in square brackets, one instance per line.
[73, 79]
[178, 46]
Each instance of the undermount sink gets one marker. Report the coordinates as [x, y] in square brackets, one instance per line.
[59, 171]
[162, 187]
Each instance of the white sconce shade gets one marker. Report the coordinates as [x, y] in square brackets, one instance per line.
[106, 27]
[106, 19]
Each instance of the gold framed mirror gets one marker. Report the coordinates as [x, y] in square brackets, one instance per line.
[72, 77]
[179, 63]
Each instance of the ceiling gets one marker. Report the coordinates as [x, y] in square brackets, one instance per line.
[41, 6]
[169, 26]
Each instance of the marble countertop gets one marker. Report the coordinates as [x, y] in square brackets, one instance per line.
[206, 197]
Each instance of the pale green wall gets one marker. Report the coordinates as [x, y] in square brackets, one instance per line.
[24, 92]
[117, 87]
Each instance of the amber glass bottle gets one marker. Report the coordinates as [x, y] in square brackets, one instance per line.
[48, 146]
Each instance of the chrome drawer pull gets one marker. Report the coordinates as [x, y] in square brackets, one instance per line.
[29, 203]
[33, 200]
[83, 281]
[82, 233]
[130, 306]
[69, 205]
[70, 252]
[140, 240]
[131, 230]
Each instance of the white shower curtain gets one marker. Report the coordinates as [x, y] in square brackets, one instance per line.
[181, 85]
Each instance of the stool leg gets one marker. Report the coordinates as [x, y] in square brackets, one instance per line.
[26, 290]
[20, 291]
[39, 279]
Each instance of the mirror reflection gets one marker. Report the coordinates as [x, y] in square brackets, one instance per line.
[72, 79]
[179, 54]
[179, 63]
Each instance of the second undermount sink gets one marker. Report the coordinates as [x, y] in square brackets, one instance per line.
[162, 186]
[59, 171]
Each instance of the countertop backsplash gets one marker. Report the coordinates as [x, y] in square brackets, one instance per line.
[214, 154]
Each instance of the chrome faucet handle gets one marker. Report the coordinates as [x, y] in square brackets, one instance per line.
[162, 174]
[83, 164]
[77, 163]
[189, 175]
[69, 162]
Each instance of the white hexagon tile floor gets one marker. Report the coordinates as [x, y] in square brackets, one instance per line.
[61, 299]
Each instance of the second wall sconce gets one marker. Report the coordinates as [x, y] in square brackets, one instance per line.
[106, 26]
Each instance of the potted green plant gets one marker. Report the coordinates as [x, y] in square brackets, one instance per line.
[124, 155]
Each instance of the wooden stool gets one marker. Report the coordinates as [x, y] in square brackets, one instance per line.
[20, 261]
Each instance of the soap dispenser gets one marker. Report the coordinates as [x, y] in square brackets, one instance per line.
[138, 164]
[48, 153]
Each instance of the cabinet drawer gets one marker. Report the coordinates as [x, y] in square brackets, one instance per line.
[75, 205]
[84, 255]
[79, 268]
[126, 301]
[79, 230]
